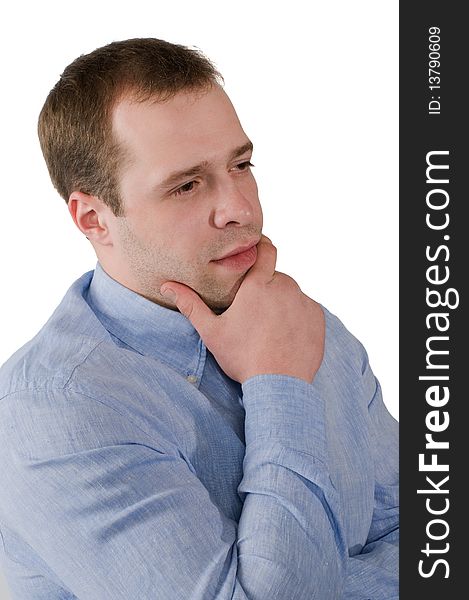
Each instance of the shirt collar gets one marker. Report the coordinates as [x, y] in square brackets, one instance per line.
[147, 327]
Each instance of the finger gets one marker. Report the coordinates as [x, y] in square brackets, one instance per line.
[191, 306]
[264, 266]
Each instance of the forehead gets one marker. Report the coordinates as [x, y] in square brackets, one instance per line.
[189, 126]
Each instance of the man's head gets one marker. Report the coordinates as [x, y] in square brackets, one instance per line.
[75, 124]
[142, 142]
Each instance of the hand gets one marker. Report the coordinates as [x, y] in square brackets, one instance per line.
[271, 327]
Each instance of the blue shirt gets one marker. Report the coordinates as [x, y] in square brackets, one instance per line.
[132, 467]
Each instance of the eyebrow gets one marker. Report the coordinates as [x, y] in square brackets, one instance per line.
[176, 176]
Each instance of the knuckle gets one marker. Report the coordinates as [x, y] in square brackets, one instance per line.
[268, 246]
[288, 281]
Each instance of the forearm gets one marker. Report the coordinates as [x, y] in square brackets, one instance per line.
[290, 541]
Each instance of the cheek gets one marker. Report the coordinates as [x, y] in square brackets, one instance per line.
[157, 228]
[184, 233]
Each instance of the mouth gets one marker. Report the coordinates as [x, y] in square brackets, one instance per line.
[241, 258]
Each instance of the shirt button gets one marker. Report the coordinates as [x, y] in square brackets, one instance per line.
[192, 379]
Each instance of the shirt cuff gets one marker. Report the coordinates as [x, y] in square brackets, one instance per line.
[284, 410]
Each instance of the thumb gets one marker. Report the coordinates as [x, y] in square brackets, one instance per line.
[190, 305]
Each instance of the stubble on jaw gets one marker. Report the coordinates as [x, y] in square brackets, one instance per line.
[151, 266]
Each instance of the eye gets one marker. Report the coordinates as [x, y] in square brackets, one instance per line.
[187, 188]
[244, 166]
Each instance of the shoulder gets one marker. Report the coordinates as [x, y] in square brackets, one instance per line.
[97, 401]
[49, 359]
[72, 387]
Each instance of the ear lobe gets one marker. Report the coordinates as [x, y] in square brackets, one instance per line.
[90, 215]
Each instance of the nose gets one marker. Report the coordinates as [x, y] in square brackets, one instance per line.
[234, 206]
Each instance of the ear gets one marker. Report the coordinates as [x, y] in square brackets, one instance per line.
[91, 216]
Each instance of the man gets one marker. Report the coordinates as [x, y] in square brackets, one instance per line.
[188, 424]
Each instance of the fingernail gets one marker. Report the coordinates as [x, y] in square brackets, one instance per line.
[168, 293]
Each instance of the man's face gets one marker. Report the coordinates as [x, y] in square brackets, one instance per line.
[189, 197]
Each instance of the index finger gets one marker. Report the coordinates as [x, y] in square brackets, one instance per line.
[264, 266]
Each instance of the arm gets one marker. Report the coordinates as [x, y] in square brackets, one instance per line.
[290, 536]
[118, 513]
[375, 571]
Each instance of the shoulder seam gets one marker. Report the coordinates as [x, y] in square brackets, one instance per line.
[81, 362]
[48, 383]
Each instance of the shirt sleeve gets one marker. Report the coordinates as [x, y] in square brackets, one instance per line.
[375, 571]
[116, 513]
[313, 534]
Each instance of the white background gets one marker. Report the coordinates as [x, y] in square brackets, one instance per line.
[315, 85]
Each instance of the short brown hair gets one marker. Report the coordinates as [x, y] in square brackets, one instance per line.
[75, 126]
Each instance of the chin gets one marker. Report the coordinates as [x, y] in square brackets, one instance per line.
[218, 306]
[221, 300]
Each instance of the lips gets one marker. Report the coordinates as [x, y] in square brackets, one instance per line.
[240, 259]
[239, 250]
